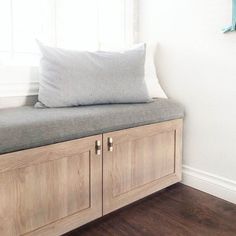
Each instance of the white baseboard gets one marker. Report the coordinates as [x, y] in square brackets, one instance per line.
[209, 183]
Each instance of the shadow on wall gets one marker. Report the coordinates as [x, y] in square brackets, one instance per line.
[157, 58]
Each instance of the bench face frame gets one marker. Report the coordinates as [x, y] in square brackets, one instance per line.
[54, 189]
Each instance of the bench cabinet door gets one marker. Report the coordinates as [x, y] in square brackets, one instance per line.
[140, 161]
[50, 190]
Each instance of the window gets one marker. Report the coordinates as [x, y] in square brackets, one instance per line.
[71, 24]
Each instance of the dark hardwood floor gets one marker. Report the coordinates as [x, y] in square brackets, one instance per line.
[177, 210]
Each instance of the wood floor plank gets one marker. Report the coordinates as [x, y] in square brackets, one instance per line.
[176, 211]
[198, 218]
[190, 195]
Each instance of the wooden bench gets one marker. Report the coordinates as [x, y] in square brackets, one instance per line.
[55, 188]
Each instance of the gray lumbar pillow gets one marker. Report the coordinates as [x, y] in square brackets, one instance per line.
[73, 78]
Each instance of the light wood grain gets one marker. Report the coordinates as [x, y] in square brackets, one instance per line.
[52, 152]
[144, 159]
[53, 189]
[57, 192]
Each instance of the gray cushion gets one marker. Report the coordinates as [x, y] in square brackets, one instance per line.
[28, 127]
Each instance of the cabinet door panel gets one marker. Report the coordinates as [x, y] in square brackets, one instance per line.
[37, 194]
[144, 160]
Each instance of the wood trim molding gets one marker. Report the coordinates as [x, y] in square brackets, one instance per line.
[210, 183]
[18, 89]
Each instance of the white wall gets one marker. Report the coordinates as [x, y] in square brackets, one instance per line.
[196, 64]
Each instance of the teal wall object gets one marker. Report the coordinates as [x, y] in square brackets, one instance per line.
[233, 26]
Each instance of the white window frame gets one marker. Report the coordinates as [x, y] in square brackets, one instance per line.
[13, 86]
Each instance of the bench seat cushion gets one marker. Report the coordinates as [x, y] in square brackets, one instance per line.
[27, 127]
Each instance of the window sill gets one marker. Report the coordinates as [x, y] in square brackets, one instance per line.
[21, 89]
